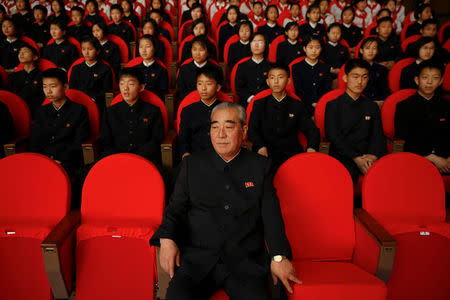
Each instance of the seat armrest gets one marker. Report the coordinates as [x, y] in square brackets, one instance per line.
[108, 99]
[324, 147]
[174, 50]
[384, 240]
[163, 279]
[167, 150]
[173, 74]
[13, 146]
[169, 101]
[90, 150]
[52, 253]
[398, 145]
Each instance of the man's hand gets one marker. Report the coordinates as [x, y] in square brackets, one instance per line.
[441, 163]
[284, 271]
[362, 163]
[311, 150]
[263, 151]
[185, 154]
[169, 255]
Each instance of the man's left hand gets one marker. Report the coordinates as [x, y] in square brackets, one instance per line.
[284, 271]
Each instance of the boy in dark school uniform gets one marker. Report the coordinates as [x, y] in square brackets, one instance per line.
[92, 15]
[271, 29]
[24, 16]
[118, 27]
[313, 27]
[291, 48]
[353, 123]
[334, 53]
[27, 83]
[9, 47]
[40, 29]
[110, 51]
[241, 49]
[422, 13]
[389, 50]
[78, 29]
[61, 126]
[276, 120]
[186, 83]
[350, 32]
[60, 52]
[423, 120]
[132, 125]
[195, 118]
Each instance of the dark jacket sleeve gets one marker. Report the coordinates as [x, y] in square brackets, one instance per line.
[309, 129]
[254, 126]
[241, 84]
[185, 133]
[36, 139]
[106, 137]
[81, 134]
[6, 126]
[377, 143]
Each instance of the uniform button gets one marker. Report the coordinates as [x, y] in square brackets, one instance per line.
[227, 207]
[130, 122]
[132, 110]
[227, 187]
[130, 132]
[131, 145]
[53, 137]
[57, 115]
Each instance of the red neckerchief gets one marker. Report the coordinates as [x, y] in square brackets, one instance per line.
[338, 3]
[252, 17]
[363, 17]
[281, 8]
[372, 6]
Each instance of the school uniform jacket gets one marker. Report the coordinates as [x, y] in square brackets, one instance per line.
[287, 52]
[389, 50]
[251, 79]
[63, 55]
[377, 88]
[187, 78]
[9, 53]
[335, 55]
[40, 33]
[123, 30]
[156, 78]
[28, 86]
[270, 32]
[352, 34]
[236, 52]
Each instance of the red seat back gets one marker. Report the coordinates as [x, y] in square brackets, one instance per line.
[396, 72]
[42, 64]
[290, 87]
[404, 187]
[317, 207]
[442, 31]
[233, 76]
[274, 47]
[218, 30]
[151, 98]
[181, 30]
[123, 188]
[168, 55]
[166, 25]
[409, 41]
[216, 20]
[319, 112]
[193, 97]
[123, 47]
[20, 113]
[341, 82]
[71, 40]
[31, 43]
[233, 39]
[186, 39]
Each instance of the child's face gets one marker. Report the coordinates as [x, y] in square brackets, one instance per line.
[277, 80]
[384, 29]
[125, 6]
[156, 17]
[426, 52]
[8, 29]
[156, 4]
[361, 5]
[272, 14]
[26, 56]
[258, 45]
[429, 80]
[391, 5]
[430, 30]
[146, 49]
[130, 88]
[38, 15]
[199, 53]
[314, 15]
[426, 14]
[369, 51]
[323, 7]
[90, 8]
[232, 16]
[199, 29]
[148, 28]
[383, 14]
[56, 32]
[235, 3]
[295, 10]
[313, 50]
[347, 17]
[334, 35]
[116, 16]
[97, 32]
[20, 4]
[196, 13]
[207, 87]
[55, 7]
[244, 33]
[77, 17]
[292, 33]
[257, 9]
[89, 52]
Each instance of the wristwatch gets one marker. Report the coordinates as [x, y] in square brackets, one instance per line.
[278, 258]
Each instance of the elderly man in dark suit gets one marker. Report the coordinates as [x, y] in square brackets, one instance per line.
[223, 226]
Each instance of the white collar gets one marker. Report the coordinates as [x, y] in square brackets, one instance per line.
[148, 64]
[292, 43]
[232, 25]
[200, 66]
[227, 161]
[11, 41]
[352, 97]
[418, 62]
[257, 61]
[271, 25]
[102, 43]
[428, 99]
[333, 44]
[89, 64]
[347, 25]
[209, 105]
[244, 43]
[57, 109]
[313, 25]
[311, 64]
[59, 43]
[282, 98]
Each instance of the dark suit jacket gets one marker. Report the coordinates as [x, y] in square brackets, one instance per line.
[227, 211]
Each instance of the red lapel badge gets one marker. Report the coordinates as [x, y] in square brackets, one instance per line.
[145, 120]
[249, 184]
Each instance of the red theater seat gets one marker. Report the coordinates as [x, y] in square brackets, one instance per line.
[35, 197]
[274, 47]
[317, 208]
[404, 192]
[123, 47]
[409, 41]
[42, 64]
[396, 72]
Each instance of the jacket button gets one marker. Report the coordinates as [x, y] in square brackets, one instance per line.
[226, 207]
[227, 187]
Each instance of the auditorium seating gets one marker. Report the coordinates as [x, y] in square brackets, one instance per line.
[404, 192]
[396, 72]
[123, 48]
[42, 64]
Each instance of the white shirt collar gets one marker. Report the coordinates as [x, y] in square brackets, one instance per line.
[282, 98]
[59, 43]
[347, 25]
[148, 64]
[102, 43]
[311, 64]
[271, 25]
[244, 43]
[257, 61]
[57, 109]
[417, 61]
[209, 105]
[11, 41]
[227, 161]
[292, 42]
[313, 25]
[89, 64]
[332, 44]
[200, 66]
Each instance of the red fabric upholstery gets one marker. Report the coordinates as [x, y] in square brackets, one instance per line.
[42, 64]
[168, 55]
[123, 47]
[396, 72]
[226, 49]
[193, 97]
[30, 42]
[218, 30]
[409, 40]
[274, 47]
[233, 77]
[220, 295]
[181, 30]
[446, 82]
[71, 40]
[290, 87]
[336, 280]
[216, 20]
[20, 113]
[319, 113]
[341, 83]
[166, 25]
[366, 250]
[32, 203]
[441, 32]
[3, 77]
[310, 207]
[151, 98]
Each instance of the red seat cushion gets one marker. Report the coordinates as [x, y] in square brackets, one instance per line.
[220, 295]
[115, 268]
[336, 280]
[88, 231]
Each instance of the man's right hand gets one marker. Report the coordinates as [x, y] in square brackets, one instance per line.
[362, 163]
[441, 163]
[169, 255]
[263, 151]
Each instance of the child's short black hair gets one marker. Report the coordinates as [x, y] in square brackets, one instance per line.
[356, 63]
[57, 73]
[335, 24]
[95, 4]
[132, 72]
[32, 49]
[152, 39]
[211, 72]
[102, 25]
[428, 22]
[279, 66]
[349, 7]
[370, 39]
[201, 40]
[41, 8]
[431, 64]
[383, 10]
[309, 38]
[92, 40]
[384, 19]
[78, 9]
[290, 25]
[118, 7]
[60, 23]
[245, 23]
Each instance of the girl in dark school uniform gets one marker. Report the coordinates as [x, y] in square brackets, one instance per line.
[92, 12]
[110, 51]
[118, 27]
[335, 54]
[78, 28]
[240, 49]
[156, 78]
[350, 32]
[313, 27]
[271, 29]
[311, 76]
[424, 49]
[24, 17]
[59, 12]
[150, 27]
[422, 13]
[199, 27]
[40, 29]
[60, 52]
[10, 46]
[377, 88]
[93, 76]
[129, 14]
[229, 29]
[291, 48]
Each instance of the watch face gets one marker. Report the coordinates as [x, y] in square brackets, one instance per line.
[278, 258]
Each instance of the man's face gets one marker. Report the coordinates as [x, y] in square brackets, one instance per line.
[54, 90]
[429, 31]
[77, 18]
[130, 88]
[357, 80]
[277, 80]
[428, 81]
[227, 133]
[207, 87]
[26, 55]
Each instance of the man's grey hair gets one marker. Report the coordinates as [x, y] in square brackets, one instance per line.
[242, 116]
